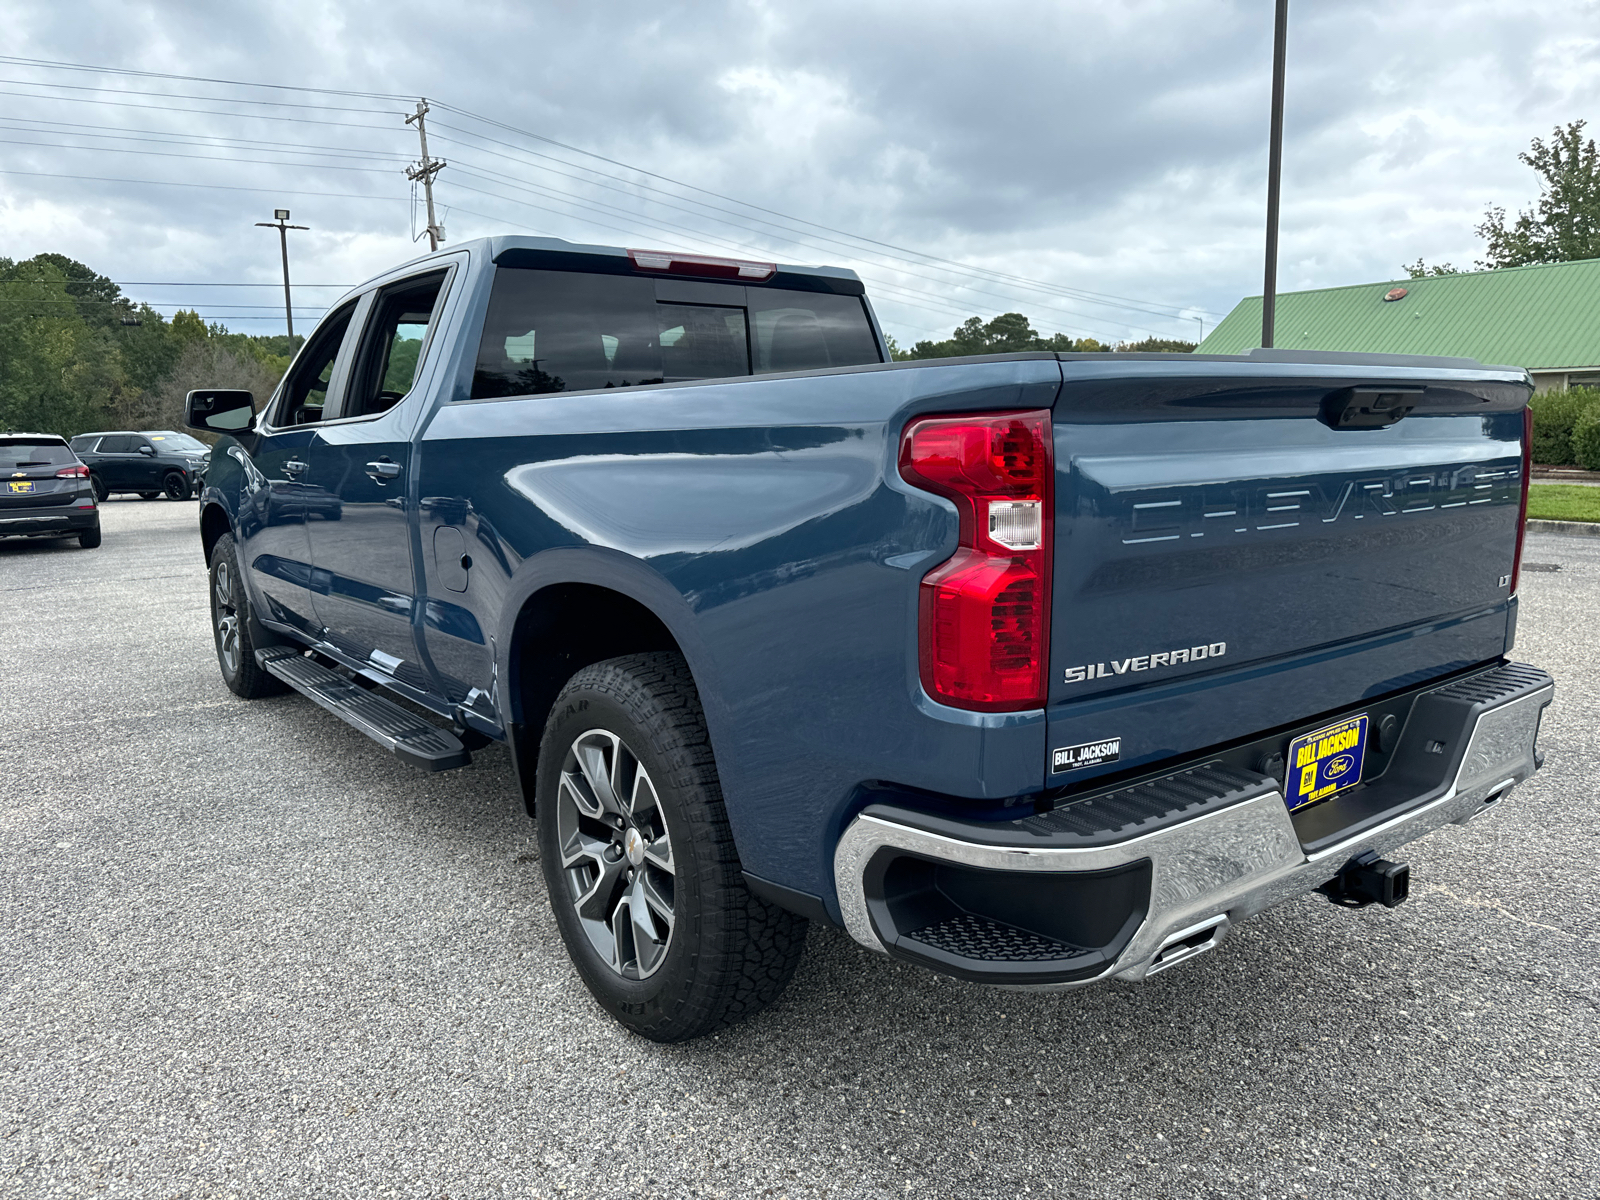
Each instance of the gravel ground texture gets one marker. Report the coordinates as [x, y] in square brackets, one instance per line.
[245, 953]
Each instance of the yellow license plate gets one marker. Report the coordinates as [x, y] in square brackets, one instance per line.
[25, 486]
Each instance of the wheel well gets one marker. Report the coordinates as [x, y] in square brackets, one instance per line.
[560, 630]
[213, 524]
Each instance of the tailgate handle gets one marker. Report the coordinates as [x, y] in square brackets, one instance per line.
[1368, 407]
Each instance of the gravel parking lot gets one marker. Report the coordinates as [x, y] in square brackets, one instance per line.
[245, 953]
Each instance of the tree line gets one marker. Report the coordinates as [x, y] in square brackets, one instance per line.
[1012, 332]
[77, 355]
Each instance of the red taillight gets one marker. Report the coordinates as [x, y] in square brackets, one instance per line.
[701, 265]
[1522, 514]
[985, 612]
[78, 472]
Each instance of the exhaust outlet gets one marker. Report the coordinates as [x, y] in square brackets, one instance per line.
[1188, 943]
[1367, 879]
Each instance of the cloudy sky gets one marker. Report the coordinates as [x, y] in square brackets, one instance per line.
[1098, 166]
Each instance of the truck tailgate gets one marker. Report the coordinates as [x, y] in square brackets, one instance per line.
[1231, 557]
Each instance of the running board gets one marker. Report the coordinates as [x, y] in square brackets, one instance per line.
[407, 736]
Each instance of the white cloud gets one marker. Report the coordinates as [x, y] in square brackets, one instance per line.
[1111, 148]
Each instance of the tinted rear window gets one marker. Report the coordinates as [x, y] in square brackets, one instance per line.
[563, 331]
[18, 452]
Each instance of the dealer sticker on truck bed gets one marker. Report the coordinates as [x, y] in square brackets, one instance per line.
[1324, 762]
[1090, 754]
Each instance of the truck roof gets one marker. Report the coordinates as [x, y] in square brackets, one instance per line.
[529, 249]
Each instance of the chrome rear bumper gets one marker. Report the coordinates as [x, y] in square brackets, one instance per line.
[1207, 873]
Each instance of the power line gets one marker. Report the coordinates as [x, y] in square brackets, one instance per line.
[170, 137]
[183, 283]
[83, 87]
[283, 87]
[208, 112]
[759, 208]
[920, 257]
[221, 187]
[260, 162]
[739, 248]
[196, 283]
[68, 302]
[936, 263]
[943, 306]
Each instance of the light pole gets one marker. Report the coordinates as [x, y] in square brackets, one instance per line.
[1269, 288]
[280, 222]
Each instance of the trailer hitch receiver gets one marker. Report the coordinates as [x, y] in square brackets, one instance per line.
[1367, 879]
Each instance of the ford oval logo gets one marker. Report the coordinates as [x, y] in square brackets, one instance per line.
[1339, 766]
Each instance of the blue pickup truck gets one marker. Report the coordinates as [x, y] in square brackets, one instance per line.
[1034, 669]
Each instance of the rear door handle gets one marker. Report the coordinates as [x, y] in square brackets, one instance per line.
[383, 470]
[294, 466]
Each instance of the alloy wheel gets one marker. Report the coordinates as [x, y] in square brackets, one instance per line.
[227, 617]
[616, 854]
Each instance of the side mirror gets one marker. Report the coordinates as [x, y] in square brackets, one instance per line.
[148, 451]
[219, 410]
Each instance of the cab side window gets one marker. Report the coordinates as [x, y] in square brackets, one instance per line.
[391, 352]
[305, 393]
[117, 443]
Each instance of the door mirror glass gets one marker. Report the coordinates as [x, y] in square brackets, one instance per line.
[219, 410]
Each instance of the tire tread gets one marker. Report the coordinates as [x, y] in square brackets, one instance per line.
[755, 946]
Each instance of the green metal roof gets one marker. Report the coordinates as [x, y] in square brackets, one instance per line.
[1541, 318]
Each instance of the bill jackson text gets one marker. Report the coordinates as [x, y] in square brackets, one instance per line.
[1145, 662]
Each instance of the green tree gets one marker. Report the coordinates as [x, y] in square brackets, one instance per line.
[57, 372]
[188, 327]
[76, 354]
[1565, 223]
[1421, 270]
[1156, 345]
[1008, 333]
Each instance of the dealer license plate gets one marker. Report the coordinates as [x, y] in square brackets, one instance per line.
[1325, 762]
[25, 486]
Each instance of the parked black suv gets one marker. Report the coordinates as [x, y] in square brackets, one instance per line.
[45, 490]
[153, 462]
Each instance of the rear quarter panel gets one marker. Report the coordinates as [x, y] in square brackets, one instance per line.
[764, 522]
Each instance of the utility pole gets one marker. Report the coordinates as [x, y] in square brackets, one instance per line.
[1269, 289]
[424, 171]
[281, 224]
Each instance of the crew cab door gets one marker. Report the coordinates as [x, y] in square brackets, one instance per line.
[360, 469]
[279, 498]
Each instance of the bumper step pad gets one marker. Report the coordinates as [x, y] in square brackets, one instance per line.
[979, 939]
[407, 736]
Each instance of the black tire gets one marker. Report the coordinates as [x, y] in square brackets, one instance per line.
[727, 953]
[233, 628]
[89, 539]
[175, 484]
[100, 489]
